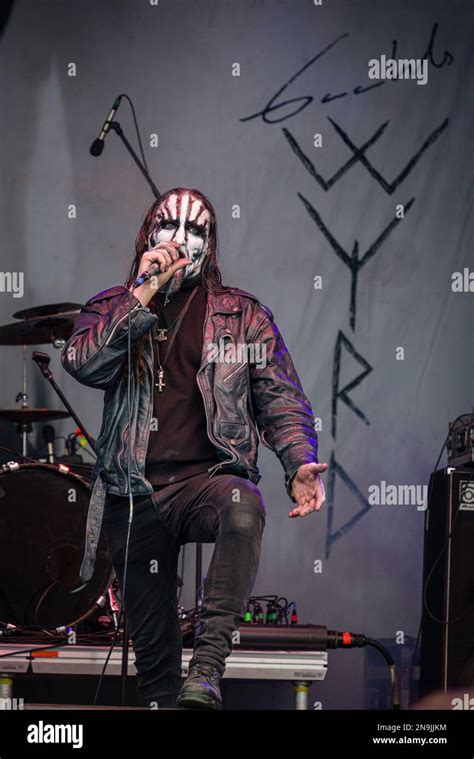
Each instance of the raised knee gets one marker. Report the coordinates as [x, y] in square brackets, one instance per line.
[245, 509]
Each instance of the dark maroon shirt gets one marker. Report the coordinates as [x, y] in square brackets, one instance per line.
[180, 447]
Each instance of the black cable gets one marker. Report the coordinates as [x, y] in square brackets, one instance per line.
[32, 650]
[287, 610]
[17, 454]
[275, 600]
[43, 596]
[124, 95]
[438, 558]
[88, 450]
[283, 610]
[391, 667]
[84, 448]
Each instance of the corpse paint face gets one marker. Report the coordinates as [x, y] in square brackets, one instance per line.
[184, 219]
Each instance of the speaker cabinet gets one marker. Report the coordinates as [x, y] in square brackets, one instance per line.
[447, 642]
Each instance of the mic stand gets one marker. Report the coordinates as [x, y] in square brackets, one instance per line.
[124, 669]
[198, 576]
[125, 645]
[118, 130]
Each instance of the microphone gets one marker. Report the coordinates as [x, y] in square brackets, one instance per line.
[144, 277]
[98, 145]
[48, 437]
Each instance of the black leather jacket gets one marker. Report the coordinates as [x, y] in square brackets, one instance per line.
[242, 403]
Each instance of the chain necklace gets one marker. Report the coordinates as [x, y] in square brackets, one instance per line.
[160, 335]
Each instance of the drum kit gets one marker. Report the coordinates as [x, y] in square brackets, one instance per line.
[44, 502]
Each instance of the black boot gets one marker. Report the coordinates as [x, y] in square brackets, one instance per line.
[201, 688]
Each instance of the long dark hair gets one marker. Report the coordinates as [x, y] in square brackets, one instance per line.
[211, 275]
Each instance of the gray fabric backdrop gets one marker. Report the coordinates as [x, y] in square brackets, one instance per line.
[299, 218]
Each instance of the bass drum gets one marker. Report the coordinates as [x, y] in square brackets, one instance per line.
[43, 515]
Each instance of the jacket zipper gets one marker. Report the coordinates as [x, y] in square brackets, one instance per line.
[234, 457]
[135, 308]
[123, 441]
[233, 371]
[125, 316]
[118, 459]
[238, 367]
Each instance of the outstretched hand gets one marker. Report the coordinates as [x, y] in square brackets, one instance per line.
[308, 489]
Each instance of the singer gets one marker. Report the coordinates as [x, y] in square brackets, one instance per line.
[196, 420]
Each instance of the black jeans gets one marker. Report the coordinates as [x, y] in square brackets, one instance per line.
[225, 509]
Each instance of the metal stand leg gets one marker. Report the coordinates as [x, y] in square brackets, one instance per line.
[301, 689]
[124, 668]
[6, 691]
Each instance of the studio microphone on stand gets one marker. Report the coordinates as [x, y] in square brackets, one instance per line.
[98, 145]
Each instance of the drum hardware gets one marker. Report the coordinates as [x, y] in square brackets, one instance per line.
[25, 416]
[51, 323]
[14, 466]
[45, 329]
[10, 466]
[42, 360]
[113, 604]
[44, 506]
[29, 414]
[51, 309]
[41, 531]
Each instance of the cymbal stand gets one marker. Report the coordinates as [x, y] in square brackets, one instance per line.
[25, 428]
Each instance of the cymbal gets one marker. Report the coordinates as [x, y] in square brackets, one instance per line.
[37, 331]
[50, 309]
[27, 415]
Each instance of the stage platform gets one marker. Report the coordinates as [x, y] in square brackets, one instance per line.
[298, 668]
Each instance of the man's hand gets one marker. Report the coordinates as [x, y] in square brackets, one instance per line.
[308, 489]
[166, 255]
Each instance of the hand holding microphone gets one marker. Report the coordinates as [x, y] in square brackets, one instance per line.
[159, 264]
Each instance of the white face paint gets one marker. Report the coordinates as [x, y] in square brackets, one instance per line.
[184, 219]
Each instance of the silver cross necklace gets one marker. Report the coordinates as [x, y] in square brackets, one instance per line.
[160, 335]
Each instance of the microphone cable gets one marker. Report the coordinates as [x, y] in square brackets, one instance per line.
[130, 498]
